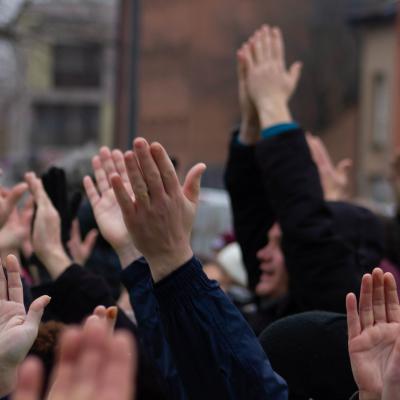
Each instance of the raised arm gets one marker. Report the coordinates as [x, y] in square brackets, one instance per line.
[216, 353]
[322, 266]
[136, 273]
[335, 179]
[75, 291]
[252, 213]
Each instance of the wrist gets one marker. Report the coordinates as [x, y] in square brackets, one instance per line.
[249, 132]
[162, 266]
[127, 255]
[368, 396]
[8, 380]
[273, 113]
[55, 261]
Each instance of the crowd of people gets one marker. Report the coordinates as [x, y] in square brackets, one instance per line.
[102, 298]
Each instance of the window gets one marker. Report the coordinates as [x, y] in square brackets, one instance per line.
[58, 125]
[380, 189]
[380, 111]
[77, 66]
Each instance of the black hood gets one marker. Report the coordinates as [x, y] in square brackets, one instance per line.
[362, 229]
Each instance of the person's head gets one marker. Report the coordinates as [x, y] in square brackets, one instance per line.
[274, 277]
[215, 272]
[310, 352]
[227, 268]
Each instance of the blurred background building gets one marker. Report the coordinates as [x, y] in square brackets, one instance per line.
[65, 71]
[376, 23]
[70, 84]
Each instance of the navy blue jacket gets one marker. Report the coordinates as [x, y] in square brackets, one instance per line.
[200, 341]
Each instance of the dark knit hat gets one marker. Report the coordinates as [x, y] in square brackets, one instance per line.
[361, 229]
[309, 351]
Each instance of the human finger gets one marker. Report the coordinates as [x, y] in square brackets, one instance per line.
[365, 303]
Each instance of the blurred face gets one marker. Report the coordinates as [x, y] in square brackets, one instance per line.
[274, 278]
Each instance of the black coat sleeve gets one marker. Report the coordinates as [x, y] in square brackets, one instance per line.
[252, 214]
[322, 266]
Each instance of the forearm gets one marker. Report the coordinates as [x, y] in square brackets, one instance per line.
[273, 112]
[127, 254]
[372, 396]
[310, 235]
[249, 132]
[137, 280]
[291, 178]
[56, 261]
[252, 214]
[8, 380]
[216, 353]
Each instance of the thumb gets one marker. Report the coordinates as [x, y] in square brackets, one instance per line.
[295, 72]
[191, 187]
[111, 314]
[90, 239]
[344, 166]
[16, 193]
[123, 198]
[241, 66]
[36, 188]
[36, 310]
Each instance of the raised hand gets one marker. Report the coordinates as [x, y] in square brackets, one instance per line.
[373, 331]
[250, 124]
[46, 235]
[270, 84]
[9, 199]
[107, 315]
[335, 180]
[105, 206]
[13, 233]
[79, 249]
[93, 364]
[160, 217]
[18, 329]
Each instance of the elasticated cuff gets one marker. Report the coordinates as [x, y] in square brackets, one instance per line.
[137, 271]
[279, 129]
[241, 152]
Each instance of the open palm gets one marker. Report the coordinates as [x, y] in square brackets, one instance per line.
[9, 199]
[14, 335]
[18, 329]
[103, 201]
[373, 331]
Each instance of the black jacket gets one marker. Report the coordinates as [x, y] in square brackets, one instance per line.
[74, 296]
[327, 246]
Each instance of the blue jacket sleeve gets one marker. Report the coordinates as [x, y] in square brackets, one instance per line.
[216, 353]
[137, 280]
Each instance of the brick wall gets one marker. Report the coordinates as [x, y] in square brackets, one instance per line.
[188, 95]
